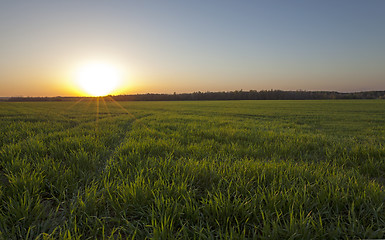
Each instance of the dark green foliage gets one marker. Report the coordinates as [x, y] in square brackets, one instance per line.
[229, 95]
[192, 170]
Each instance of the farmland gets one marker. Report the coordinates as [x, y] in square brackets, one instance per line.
[192, 170]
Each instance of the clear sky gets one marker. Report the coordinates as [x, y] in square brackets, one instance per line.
[186, 46]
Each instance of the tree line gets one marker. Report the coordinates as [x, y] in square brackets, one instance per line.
[225, 95]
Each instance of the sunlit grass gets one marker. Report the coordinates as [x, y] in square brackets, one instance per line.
[185, 170]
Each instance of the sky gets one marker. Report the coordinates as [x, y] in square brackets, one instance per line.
[187, 46]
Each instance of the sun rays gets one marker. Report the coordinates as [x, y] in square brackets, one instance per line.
[104, 108]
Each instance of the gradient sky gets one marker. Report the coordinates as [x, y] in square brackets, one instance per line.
[186, 46]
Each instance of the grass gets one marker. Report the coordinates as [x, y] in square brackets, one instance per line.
[193, 170]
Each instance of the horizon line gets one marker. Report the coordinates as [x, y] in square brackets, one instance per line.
[180, 93]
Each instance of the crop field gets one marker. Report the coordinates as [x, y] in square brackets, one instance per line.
[192, 170]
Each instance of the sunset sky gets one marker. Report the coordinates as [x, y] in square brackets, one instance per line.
[187, 46]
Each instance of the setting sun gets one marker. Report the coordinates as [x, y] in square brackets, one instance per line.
[98, 78]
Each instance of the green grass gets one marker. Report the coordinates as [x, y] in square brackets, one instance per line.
[193, 170]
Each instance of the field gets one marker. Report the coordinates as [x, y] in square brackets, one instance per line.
[193, 170]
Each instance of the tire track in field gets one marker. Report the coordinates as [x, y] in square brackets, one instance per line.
[125, 128]
[116, 147]
[123, 124]
[45, 136]
[41, 136]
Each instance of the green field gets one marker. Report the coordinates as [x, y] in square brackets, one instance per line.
[192, 170]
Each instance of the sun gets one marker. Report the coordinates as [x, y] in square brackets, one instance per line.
[98, 78]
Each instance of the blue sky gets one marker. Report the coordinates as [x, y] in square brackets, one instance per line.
[185, 46]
